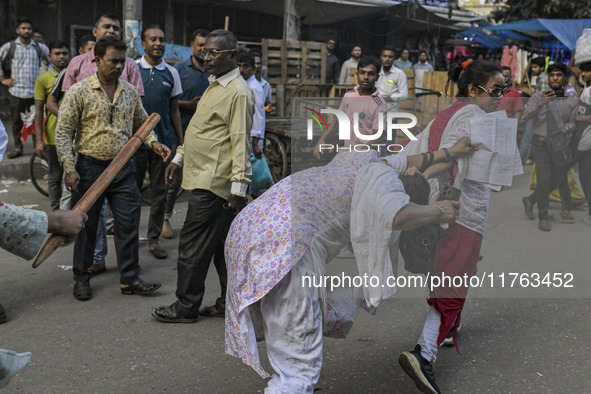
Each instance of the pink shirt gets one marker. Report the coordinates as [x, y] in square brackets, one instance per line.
[83, 66]
[370, 109]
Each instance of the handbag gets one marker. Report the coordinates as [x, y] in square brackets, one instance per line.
[559, 148]
[261, 178]
[418, 248]
[557, 143]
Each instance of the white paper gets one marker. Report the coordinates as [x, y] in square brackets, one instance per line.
[497, 160]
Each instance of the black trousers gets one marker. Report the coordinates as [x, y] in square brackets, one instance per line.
[124, 197]
[549, 177]
[147, 159]
[18, 105]
[584, 160]
[202, 238]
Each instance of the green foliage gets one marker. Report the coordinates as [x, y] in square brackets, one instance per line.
[516, 10]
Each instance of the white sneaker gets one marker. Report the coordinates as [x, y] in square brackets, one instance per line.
[449, 340]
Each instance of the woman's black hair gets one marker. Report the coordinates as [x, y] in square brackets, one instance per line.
[417, 188]
[477, 73]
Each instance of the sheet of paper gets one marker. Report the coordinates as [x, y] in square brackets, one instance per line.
[495, 163]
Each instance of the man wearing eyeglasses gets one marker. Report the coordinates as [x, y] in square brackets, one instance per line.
[105, 111]
[216, 170]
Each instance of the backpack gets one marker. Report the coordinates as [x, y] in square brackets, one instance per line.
[7, 62]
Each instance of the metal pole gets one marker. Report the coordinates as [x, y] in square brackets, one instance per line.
[132, 25]
[291, 20]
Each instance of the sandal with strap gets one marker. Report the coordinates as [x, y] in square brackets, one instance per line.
[140, 287]
[167, 314]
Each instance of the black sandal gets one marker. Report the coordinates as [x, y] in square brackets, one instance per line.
[140, 287]
[167, 314]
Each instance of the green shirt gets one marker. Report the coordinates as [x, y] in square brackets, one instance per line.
[43, 86]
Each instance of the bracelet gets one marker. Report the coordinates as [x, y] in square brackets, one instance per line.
[424, 165]
[447, 155]
[431, 158]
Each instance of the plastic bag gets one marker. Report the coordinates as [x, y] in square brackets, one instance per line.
[261, 176]
[583, 53]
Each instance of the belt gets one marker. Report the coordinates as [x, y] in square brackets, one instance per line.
[92, 160]
[539, 138]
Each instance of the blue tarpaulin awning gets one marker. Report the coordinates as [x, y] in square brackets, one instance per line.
[567, 31]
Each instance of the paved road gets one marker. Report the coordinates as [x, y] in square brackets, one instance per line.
[110, 344]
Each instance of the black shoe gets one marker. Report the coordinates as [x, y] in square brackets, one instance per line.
[545, 225]
[3, 317]
[97, 269]
[420, 370]
[529, 210]
[213, 311]
[82, 291]
[157, 251]
[15, 154]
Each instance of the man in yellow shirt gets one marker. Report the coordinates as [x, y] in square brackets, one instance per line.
[216, 155]
[45, 146]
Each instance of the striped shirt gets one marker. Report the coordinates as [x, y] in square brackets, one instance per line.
[25, 67]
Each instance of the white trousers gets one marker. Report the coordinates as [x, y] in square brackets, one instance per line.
[428, 339]
[292, 323]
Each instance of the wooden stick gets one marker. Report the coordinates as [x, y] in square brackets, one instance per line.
[101, 184]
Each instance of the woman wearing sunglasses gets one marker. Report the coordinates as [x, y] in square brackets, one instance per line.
[481, 86]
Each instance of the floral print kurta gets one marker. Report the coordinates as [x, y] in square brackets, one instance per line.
[272, 234]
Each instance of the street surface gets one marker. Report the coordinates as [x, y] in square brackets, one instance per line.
[510, 343]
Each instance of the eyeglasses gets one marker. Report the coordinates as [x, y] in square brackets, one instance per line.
[495, 92]
[213, 52]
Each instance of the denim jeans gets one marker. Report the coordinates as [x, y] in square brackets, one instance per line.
[124, 197]
[100, 249]
[524, 146]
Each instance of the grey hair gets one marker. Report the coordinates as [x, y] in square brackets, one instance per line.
[230, 38]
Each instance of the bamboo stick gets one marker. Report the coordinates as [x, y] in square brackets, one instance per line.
[101, 184]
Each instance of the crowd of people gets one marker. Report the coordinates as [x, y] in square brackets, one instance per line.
[212, 110]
